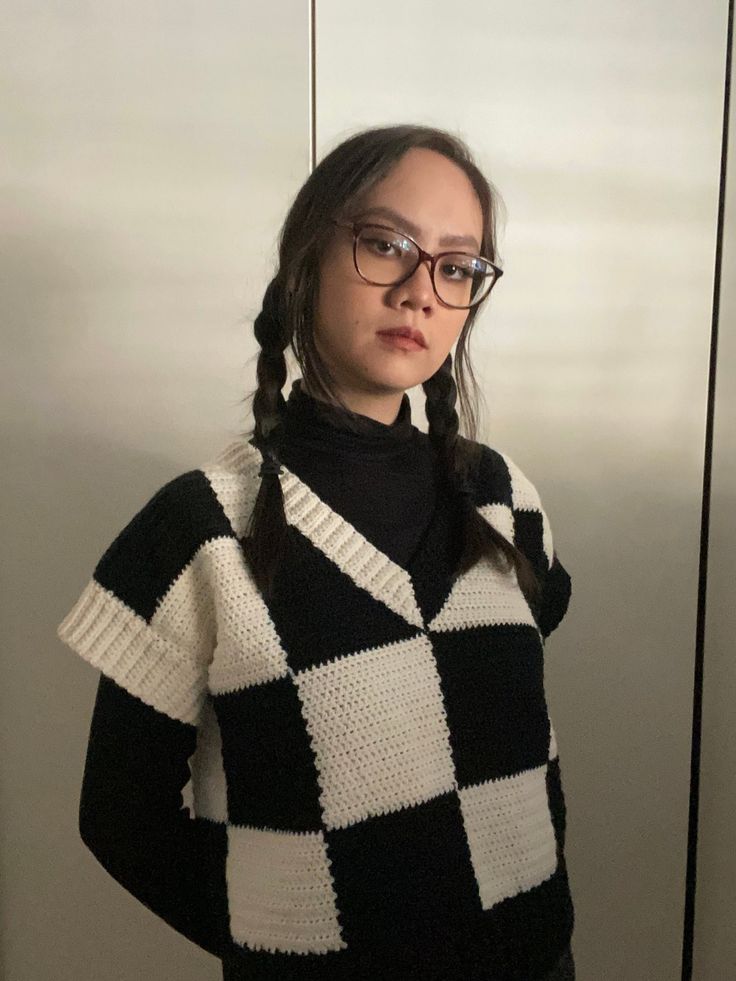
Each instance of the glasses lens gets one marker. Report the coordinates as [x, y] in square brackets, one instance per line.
[463, 280]
[385, 257]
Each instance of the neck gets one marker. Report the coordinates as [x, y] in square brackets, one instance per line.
[382, 407]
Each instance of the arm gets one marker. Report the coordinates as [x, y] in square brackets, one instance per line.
[533, 534]
[131, 817]
[556, 592]
[146, 621]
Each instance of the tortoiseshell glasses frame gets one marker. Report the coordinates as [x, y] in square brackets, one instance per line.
[422, 256]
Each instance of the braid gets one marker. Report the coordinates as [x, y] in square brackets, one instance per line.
[457, 457]
[268, 402]
[265, 535]
[441, 392]
[267, 530]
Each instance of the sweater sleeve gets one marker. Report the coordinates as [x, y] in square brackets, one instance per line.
[532, 533]
[131, 817]
[145, 620]
[556, 592]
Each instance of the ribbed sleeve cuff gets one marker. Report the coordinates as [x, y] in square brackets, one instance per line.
[109, 635]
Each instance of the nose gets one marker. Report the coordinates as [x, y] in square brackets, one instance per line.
[419, 284]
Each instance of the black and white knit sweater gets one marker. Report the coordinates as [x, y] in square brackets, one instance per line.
[372, 773]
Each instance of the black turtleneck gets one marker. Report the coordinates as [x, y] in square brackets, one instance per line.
[380, 477]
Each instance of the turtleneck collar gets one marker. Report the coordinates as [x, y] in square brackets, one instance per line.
[311, 418]
[382, 479]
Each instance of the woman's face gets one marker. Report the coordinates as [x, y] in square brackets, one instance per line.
[435, 195]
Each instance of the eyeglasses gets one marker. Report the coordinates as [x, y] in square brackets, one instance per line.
[384, 256]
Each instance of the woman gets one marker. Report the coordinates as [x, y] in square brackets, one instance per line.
[341, 620]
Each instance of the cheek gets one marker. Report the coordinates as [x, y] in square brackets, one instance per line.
[325, 310]
[451, 335]
[439, 356]
[343, 314]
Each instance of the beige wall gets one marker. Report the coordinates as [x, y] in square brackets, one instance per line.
[151, 153]
[601, 126]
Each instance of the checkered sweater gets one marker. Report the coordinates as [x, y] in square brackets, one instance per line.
[371, 773]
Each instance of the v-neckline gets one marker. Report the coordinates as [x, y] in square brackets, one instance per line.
[427, 593]
[390, 583]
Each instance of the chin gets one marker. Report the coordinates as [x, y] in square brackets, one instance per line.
[400, 377]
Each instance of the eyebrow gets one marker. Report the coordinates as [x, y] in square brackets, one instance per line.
[414, 230]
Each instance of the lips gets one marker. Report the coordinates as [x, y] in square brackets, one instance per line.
[410, 332]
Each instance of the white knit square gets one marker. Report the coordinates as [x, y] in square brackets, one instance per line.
[378, 729]
[501, 517]
[207, 785]
[248, 651]
[483, 596]
[281, 895]
[186, 614]
[510, 833]
[525, 497]
[233, 476]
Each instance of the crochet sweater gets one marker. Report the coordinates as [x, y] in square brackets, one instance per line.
[370, 769]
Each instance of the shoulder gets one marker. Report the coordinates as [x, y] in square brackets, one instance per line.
[502, 486]
[219, 485]
[498, 473]
[164, 524]
[510, 499]
[187, 511]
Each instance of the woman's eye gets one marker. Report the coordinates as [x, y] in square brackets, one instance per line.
[450, 268]
[381, 245]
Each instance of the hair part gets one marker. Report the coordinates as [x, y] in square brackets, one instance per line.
[286, 320]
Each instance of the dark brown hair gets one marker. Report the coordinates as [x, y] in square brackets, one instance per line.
[286, 319]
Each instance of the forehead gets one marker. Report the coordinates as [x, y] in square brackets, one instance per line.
[403, 223]
[427, 194]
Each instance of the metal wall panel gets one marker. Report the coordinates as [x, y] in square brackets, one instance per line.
[600, 125]
[715, 907]
[148, 153]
